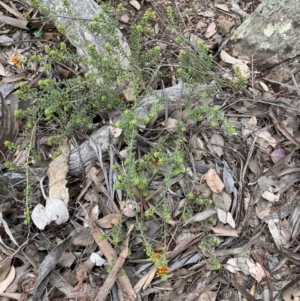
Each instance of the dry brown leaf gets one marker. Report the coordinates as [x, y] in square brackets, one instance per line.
[197, 147]
[183, 237]
[217, 143]
[48, 36]
[2, 70]
[254, 166]
[226, 218]
[267, 137]
[238, 263]
[14, 22]
[222, 7]
[145, 281]
[232, 265]
[256, 271]
[207, 14]
[200, 24]
[4, 224]
[243, 70]
[271, 197]
[57, 173]
[225, 232]
[129, 92]
[277, 233]
[135, 4]
[264, 86]
[201, 216]
[67, 259]
[83, 238]
[195, 40]
[91, 196]
[21, 156]
[222, 200]
[8, 280]
[249, 126]
[171, 124]
[231, 60]
[213, 181]
[208, 295]
[13, 10]
[211, 30]
[109, 220]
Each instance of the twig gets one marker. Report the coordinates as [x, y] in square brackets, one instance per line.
[110, 280]
[244, 169]
[110, 255]
[240, 250]
[112, 205]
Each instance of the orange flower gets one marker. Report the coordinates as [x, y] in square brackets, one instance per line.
[14, 59]
[161, 271]
[155, 255]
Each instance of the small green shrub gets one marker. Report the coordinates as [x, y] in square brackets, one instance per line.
[71, 104]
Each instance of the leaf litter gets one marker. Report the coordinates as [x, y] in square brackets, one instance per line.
[252, 179]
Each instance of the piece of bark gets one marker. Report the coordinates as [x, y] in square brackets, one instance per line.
[75, 19]
[9, 125]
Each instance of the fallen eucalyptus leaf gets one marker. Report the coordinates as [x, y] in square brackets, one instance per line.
[135, 4]
[213, 181]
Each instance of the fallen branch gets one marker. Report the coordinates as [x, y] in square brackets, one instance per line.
[174, 96]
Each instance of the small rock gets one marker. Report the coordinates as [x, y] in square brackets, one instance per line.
[225, 25]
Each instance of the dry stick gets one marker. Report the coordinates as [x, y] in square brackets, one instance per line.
[244, 169]
[111, 202]
[283, 129]
[110, 254]
[240, 250]
[110, 280]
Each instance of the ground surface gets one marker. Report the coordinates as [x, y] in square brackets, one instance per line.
[250, 247]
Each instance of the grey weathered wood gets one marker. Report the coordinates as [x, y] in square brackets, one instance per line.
[76, 19]
[174, 96]
[271, 35]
